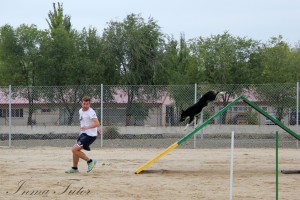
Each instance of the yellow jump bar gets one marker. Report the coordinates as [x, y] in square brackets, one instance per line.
[147, 164]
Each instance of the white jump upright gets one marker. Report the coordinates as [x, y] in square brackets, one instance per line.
[9, 115]
[231, 164]
[101, 117]
[297, 112]
[195, 121]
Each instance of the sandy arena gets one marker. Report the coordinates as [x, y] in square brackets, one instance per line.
[38, 173]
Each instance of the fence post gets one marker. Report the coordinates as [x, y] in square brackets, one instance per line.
[9, 115]
[231, 164]
[297, 112]
[195, 121]
[277, 164]
[202, 130]
[101, 116]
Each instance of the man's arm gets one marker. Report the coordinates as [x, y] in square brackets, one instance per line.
[95, 123]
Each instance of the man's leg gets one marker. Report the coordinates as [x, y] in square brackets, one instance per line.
[75, 149]
[77, 153]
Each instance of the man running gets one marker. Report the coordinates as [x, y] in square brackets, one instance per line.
[88, 134]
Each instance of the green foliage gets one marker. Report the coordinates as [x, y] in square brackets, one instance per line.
[137, 95]
[280, 97]
[252, 118]
[10, 54]
[276, 67]
[134, 51]
[132, 47]
[183, 96]
[224, 58]
[111, 132]
[57, 19]
[20, 59]
[180, 66]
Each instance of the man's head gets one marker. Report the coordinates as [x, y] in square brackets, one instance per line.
[86, 102]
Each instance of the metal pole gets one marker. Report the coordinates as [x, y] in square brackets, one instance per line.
[101, 116]
[276, 165]
[9, 115]
[231, 164]
[202, 130]
[297, 112]
[195, 121]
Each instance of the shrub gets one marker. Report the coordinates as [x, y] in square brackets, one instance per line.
[111, 132]
[252, 118]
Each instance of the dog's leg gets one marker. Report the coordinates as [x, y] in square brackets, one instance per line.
[186, 126]
[190, 122]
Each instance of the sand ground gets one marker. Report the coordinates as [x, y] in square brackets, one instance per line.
[38, 173]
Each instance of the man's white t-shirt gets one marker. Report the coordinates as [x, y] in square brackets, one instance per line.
[85, 118]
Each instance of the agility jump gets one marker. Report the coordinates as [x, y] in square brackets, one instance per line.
[183, 139]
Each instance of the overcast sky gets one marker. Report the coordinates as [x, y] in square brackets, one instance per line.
[256, 19]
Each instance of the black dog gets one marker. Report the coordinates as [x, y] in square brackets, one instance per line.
[197, 108]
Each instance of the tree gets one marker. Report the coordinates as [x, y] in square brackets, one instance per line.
[224, 58]
[294, 59]
[58, 20]
[57, 47]
[276, 61]
[2, 74]
[183, 96]
[90, 55]
[68, 59]
[225, 61]
[278, 66]
[133, 49]
[256, 67]
[179, 63]
[280, 96]
[20, 54]
[69, 97]
[10, 51]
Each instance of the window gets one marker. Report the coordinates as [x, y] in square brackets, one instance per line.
[15, 112]
[3, 112]
[170, 115]
[46, 110]
[240, 108]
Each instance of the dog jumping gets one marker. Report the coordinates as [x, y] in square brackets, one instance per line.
[195, 109]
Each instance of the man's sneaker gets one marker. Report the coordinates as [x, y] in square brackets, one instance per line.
[71, 170]
[91, 165]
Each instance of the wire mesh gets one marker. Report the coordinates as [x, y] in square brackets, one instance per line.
[147, 116]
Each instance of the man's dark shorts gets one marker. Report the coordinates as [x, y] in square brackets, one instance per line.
[85, 141]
